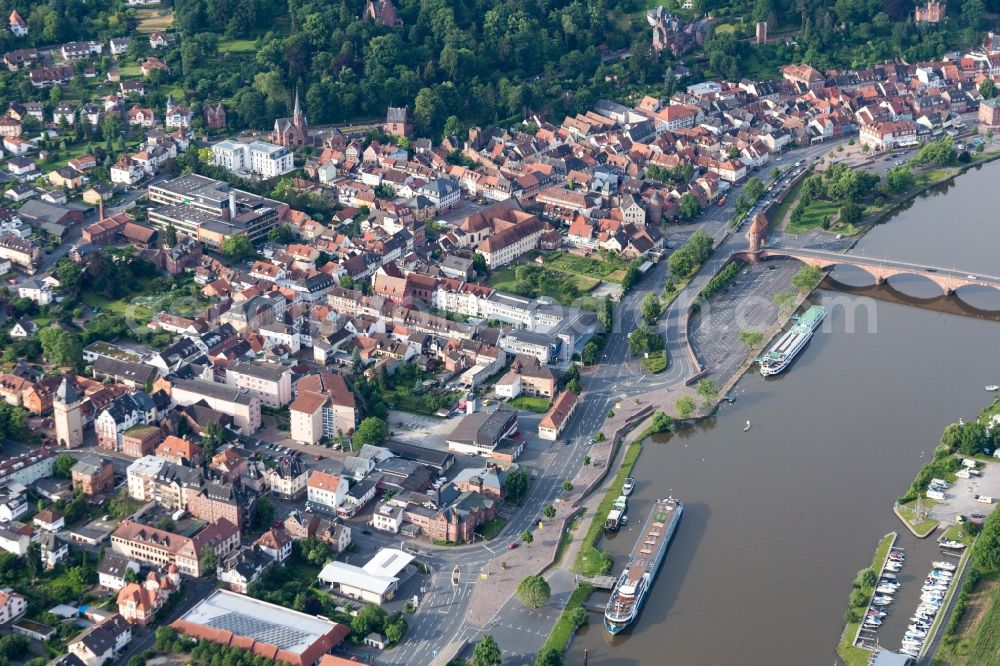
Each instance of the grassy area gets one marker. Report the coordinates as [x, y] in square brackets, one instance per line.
[551, 284]
[656, 362]
[567, 537]
[977, 640]
[491, 528]
[784, 208]
[565, 626]
[151, 20]
[531, 403]
[425, 404]
[237, 45]
[918, 517]
[120, 307]
[607, 268]
[815, 213]
[130, 72]
[592, 561]
[854, 656]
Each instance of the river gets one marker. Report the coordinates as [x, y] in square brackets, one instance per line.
[779, 519]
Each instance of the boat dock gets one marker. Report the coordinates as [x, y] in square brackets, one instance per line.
[603, 583]
[867, 637]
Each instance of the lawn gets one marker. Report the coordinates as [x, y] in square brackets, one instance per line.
[656, 362]
[130, 72]
[918, 519]
[611, 269]
[814, 215]
[491, 528]
[591, 561]
[854, 656]
[120, 307]
[565, 627]
[551, 283]
[237, 45]
[531, 403]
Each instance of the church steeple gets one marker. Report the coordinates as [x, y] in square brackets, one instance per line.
[297, 118]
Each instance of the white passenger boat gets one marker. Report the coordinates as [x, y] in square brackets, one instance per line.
[952, 545]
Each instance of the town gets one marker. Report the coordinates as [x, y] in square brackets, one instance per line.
[337, 392]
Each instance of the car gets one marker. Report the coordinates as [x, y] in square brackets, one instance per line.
[366, 532]
[512, 545]
[931, 270]
[972, 277]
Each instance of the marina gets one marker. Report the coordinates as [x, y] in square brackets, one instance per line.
[634, 583]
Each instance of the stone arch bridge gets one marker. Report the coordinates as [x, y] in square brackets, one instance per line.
[949, 279]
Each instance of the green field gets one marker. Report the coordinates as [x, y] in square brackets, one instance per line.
[814, 215]
[531, 403]
[977, 641]
[606, 268]
[152, 19]
[565, 627]
[237, 45]
[505, 280]
[136, 312]
[490, 529]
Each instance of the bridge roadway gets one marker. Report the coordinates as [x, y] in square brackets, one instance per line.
[949, 279]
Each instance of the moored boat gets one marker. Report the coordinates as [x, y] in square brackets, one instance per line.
[633, 585]
[782, 352]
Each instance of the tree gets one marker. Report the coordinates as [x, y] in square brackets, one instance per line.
[69, 274]
[479, 265]
[606, 314]
[487, 652]
[516, 484]
[207, 561]
[372, 430]
[549, 511]
[900, 178]
[866, 578]
[567, 486]
[395, 628]
[638, 341]
[61, 347]
[62, 465]
[590, 353]
[785, 299]
[33, 558]
[851, 213]
[281, 235]
[238, 248]
[534, 591]
[262, 513]
[661, 422]
[573, 386]
[650, 308]
[550, 656]
[527, 536]
[806, 278]
[631, 276]
[685, 406]
[690, 206]
[170, 236]
[707, 389]
[751, 338]
[370, 618]
[212, 437]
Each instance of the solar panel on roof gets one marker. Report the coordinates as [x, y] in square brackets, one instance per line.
[261, 630]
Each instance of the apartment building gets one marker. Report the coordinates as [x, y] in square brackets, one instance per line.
[323, 407]
[263, 159]
[326, 491]
[238, 403]
[271, 382]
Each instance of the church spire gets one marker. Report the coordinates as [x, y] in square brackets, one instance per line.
[297, 118]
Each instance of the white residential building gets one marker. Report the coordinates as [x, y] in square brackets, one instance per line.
[264, 159]
[326, 490]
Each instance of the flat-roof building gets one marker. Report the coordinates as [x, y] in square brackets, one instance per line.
[274, 632]
[375, 582]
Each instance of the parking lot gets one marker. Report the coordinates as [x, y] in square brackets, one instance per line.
[748, 303]
[961, 497]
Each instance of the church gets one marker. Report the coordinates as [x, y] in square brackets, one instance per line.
[291, 132]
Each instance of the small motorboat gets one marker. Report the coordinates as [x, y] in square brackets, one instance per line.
[897, 556]
[993, 387]
[883, 600]
[952, 545]
[747, 426]
[944, 566]
[628, 486]
[873, 621]
[888, 575]
[893, 567]
[886, 589]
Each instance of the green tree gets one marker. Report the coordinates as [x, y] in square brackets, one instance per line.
[549, 511]
[61, 347]
[527, 536]
[262, 514]
[479, 265]
[690, 206]
[487, 652]
[661, 422]
[534, 591]
[371, 430]
[851, 213]
[62, 465]
[280, 234]
[685, 406]
[170, 236]
[630, 278]
[785, 299]
[606, 314]
[707, 389]
[638, 341]
[370, 618]
[590, 354]
[900, 178]
[395, 628]
[650, 308]
[212, 437]
[33, 558]
[516, 485]
[549, 657]
[238, 248]
[751, 338]
[69, 274]
[866, 578]
[806, 278]
[858, 598]
[207, 561]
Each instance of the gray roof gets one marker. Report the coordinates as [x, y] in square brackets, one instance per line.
[67, 392]
[271, 372]
[214, 390]
[137, 372]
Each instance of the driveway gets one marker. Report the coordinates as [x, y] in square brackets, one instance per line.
[961, 497]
